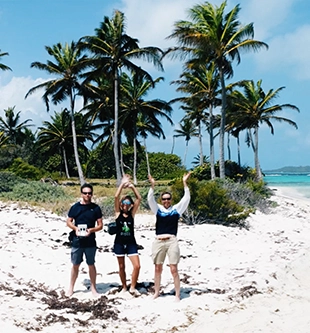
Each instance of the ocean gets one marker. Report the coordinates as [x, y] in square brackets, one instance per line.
[299, 182]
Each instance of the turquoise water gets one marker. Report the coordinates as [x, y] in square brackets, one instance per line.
[298, 182]
[287, 179]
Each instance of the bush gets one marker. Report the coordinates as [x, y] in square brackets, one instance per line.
[8, 180]
[210, 202]
[25, 170]
[232, 171]
[34, 192]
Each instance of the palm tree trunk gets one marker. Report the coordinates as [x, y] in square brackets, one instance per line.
[200, 144]
[212, 166]
[147, 158]
[65, 162]
[75, 148]
[116, 143]
[185, 154]
[135, 159]
[173, 143]
[222, 127]
[238, 150]
[228, 146]
[257, 165]
[121, 157]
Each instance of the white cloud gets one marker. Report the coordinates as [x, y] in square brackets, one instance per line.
[289, 52]
[267, 15]
[13, 94]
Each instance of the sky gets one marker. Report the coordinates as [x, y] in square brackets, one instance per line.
[26, 27]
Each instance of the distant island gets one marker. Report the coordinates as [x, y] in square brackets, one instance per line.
[290, 169]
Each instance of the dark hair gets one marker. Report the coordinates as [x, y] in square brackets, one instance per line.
[166, 193]
[86, 185]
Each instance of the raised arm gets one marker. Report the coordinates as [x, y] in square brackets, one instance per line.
[124, 183]
[182, 205]
[137, 201]
[150, 197]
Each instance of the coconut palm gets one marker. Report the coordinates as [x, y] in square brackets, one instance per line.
[149, 125]
[201, 83]
[57, 135]
[188, 130]
[3, 139]
[134, 107]
[68, 65]
[113, 50]
[255, 107]
[2, 66]
[12, 126]
[213, 36]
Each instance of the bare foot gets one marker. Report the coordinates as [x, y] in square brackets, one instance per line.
[134, 292]
[94, 292]
[96, 295]
[177, 299]
[155, 295]
[69, 293]
[123, 291]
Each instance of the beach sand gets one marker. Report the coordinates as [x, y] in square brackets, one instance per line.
[232, 280]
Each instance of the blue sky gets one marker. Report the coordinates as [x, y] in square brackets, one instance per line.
[27, 26]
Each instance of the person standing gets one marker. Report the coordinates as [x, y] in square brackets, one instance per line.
[166, 228]
[125, 242]
[84, 212]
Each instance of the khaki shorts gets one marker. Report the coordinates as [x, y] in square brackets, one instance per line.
[161, 248]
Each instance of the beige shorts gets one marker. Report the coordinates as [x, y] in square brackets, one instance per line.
[161, 248]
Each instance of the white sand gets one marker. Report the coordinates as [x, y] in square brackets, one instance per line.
[233, 280]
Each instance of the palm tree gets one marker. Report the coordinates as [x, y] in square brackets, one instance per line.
[2, 66]
[68, 65]
[188, 130]
[213, 36]
[149, 125]
[255, 107]
[57, 135]
[201, 83]
[3, 139]
[12, 127]
[113, 50]
[133, 106]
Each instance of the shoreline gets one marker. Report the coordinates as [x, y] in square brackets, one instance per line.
[232, 280]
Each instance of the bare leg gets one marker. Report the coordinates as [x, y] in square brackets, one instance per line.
[157, 278]
[73, 277]
[135, 260]
[176, 281]
[122, 272]
[93, 276]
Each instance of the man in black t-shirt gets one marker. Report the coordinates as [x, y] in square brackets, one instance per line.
[84, 218]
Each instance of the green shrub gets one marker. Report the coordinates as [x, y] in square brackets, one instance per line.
[8, 180]
[163, 167]
[34, 191]
[232, 171]
[25, 170]
[210, 203]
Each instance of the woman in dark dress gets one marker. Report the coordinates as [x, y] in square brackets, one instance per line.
[125, 242]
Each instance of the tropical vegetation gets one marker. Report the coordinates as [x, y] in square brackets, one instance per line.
[106, 114]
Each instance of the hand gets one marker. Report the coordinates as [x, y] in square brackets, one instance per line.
[125, 181]
[151, 180]
[186, 176]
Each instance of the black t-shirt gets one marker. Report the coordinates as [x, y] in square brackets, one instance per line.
[85, 214]
[125, 229]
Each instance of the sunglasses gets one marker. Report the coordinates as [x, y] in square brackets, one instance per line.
[126, 202]
[87, 193]
[165, 199]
